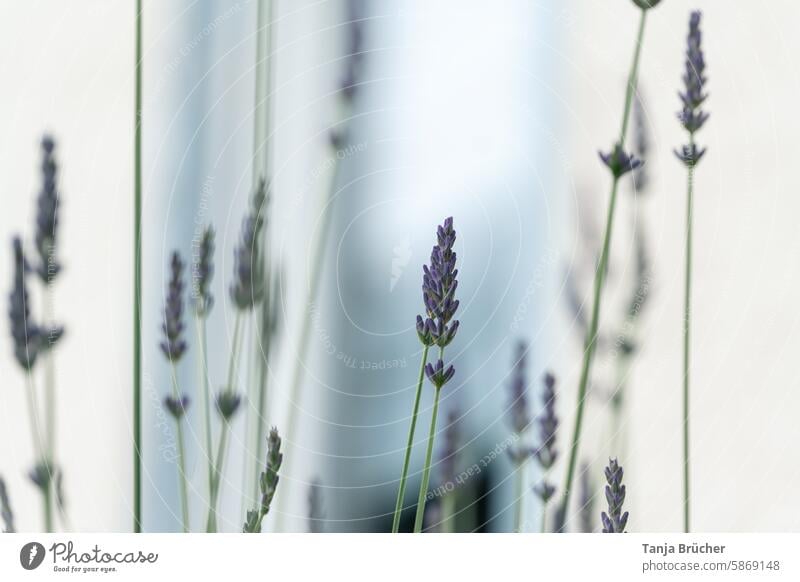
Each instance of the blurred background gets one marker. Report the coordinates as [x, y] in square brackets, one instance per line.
[383, 119]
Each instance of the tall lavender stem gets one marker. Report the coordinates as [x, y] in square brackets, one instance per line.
[137, 279]
[692, 117]
[347, 91]
[439, 284]
[619, 163]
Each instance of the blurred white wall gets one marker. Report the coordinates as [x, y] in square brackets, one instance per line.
[744, 382]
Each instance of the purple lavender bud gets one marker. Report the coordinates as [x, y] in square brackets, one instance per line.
[614, 521]
[690, 154]
[425, 329]
[177, 407]
[228, 403]
[41, 475]
[439, 285]
[203, 272]
[646, 4]
[29, 339]
[619, 162]
[438, 375]
[520, 418]
[247, 289]
[47, 214]
[544, 491]
[173, 345]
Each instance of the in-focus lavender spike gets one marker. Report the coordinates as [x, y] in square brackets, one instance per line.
[615, 520]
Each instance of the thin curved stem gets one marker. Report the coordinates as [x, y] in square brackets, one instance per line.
[137, 280]
[38, 445]
[401, 493]
[686, 333]
[599, 280]
[426, 473]
[519, 497]
[202, 341]
[211, 525]
[184, 486]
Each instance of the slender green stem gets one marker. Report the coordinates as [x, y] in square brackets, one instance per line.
[519, 496]
[211, 525]
[49, 380]
[448, 512]
[202, 342]
[599, 279]
[426, 473]
[137, 281]
[38, 445]
[184, 486]
[543, 524]
[401, 492]
[315, 277]
[686, 332]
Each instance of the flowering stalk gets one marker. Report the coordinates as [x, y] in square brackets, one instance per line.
[692, 117]
[30, 341]
[174, 346]
[401, 492]
[261, 339]
[268, 483]
[520, 421]
[439, 285]
[348, 88]
[627, 344]
[247, 292]
[614, 521]
[546, 452]
[619, 163]
[137, 278]
[203, 301]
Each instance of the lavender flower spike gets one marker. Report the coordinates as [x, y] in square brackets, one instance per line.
[439, 285]
[268, 482]
[29, 339]
[614, 521]
[692, 116]
[547, 425]
[520, 417]
[173, 345]
[247, 289]
[202, 273]
[47, 214]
